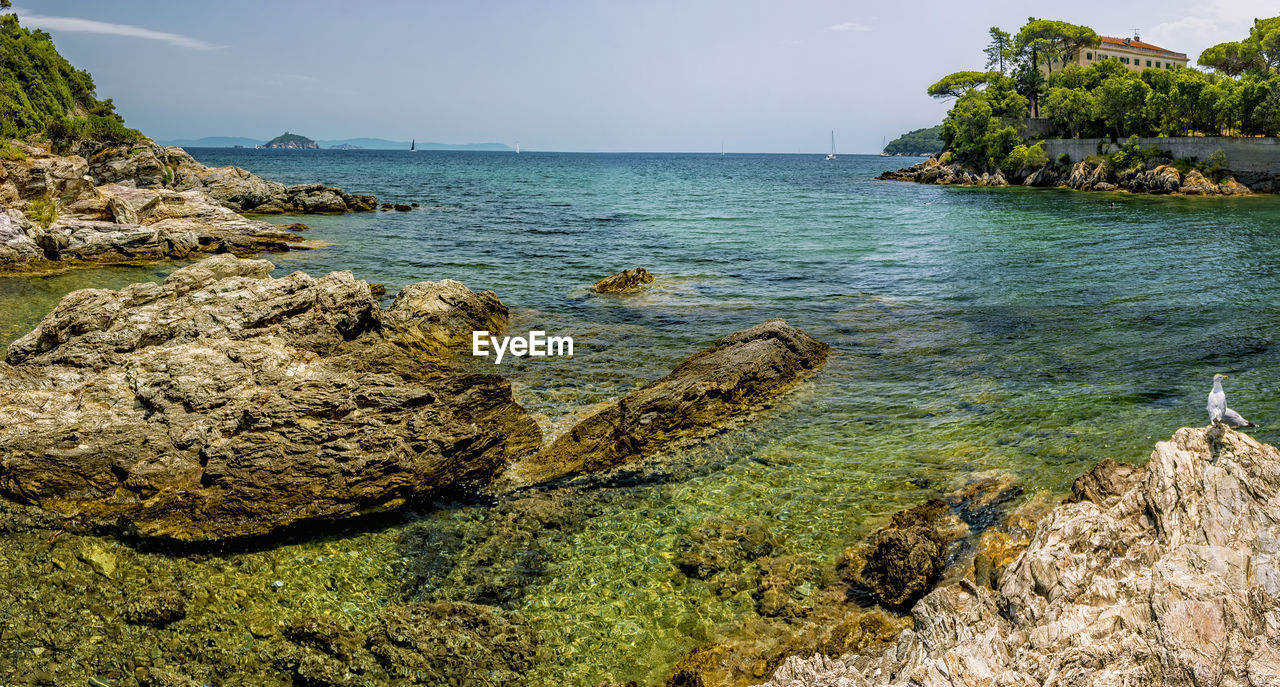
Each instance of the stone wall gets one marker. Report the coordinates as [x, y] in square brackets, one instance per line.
[1249, 159]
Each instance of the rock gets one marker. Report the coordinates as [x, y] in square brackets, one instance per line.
[625, 280]
[718, 545]
[434, 318]
[903, 560]
[739, 373]
[400, 207]
[157, 605]
[225, 403]
[1231, 187]
[443, 643]
[1175, 581]
[140, 225]
[100, 559]
[1196, 185]
[161, 677]
[1105, 480]
[295, 226]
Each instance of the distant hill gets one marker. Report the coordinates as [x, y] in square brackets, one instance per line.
[291, 141]
[918, 142]
[368, 143]
[212, 142]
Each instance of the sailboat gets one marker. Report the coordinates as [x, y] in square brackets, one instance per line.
[517, 147]
[413, 145]
[832, 156]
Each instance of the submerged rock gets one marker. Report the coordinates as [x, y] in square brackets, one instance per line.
[902, 561]
[225, 403]
[625, 280]
[736, 375]
[720, 544]
[1174, 581]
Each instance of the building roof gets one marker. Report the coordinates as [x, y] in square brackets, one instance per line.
[1135, 43]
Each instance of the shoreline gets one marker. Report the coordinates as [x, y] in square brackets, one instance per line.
[1153, 178]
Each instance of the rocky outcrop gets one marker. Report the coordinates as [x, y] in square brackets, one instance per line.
[225, 403]
[436, 317]
[904, 559]
[625, 280]
[145, 164]
[1172, 582]
[1157, 177]
[736, 375]
[123, 224]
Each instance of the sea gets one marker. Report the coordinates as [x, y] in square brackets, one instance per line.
[1025, 331]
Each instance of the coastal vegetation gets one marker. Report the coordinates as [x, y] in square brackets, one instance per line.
[1239, 96]
[42, 95]
[919, 142]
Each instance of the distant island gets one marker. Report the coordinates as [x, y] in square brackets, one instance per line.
[919, 142]
[333, 144]
[292, 141]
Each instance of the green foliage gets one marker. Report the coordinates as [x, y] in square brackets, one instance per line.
[1025, 157]
[1064, 160]
[39, 90]
[1132, 155]
[957, 84]
[43, 212]
[918, 142]
[999, 51]
[8, 152]
[287, 138]
[168, 175]
[982, 127]
[1216, 168]
[1069, 108]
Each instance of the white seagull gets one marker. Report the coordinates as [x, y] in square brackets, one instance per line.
[1218, 410]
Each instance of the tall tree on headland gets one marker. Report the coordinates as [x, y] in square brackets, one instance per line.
[999, 50]
[1046, 40]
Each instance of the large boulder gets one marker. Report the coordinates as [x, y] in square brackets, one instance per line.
[1176, 581]
[728, 380]
[225, 403]
[433, 318]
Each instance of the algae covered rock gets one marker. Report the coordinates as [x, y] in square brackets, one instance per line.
[902, 561]
[720, 544]
[626, 280]
[736, 375]
[225, 403]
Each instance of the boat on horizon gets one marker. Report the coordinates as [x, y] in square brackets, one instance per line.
[413, 146]
[832, 154]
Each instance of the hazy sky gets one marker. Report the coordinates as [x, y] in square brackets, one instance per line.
[761, 76]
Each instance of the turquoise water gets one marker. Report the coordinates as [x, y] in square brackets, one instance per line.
[1029, 331]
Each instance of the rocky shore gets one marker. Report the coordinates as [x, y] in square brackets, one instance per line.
[142, 202]
[1157, 176]
[1165, 574]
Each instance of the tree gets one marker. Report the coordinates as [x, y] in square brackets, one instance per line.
[957, 84]
[1232, 59]
[1070, 108]
[999, 50]
[1049, 39]
[1121, 103]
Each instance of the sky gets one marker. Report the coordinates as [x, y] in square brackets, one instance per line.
[691, 75]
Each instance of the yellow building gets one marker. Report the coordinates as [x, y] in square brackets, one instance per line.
[1131, 52]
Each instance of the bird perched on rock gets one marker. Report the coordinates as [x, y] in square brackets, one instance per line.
[1218, 410]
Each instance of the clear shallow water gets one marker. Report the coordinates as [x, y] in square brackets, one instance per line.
[1029, 331]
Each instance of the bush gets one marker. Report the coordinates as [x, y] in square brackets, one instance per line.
[1025, 157]
[64, 131]
[8, 152]
[1185, 164]
[43, 212]
[1216, 168]
[1132, 155]
[1064, 160]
